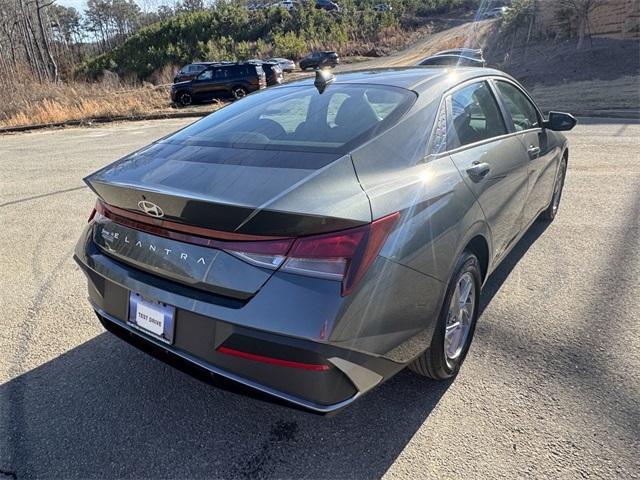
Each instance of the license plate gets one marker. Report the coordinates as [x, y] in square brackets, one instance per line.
[153, 318]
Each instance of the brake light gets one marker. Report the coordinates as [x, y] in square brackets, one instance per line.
[92, 215]
[268, 254]
[345, 255]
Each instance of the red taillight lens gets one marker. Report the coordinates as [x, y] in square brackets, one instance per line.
[345, 255]
[267, 254]
[92, 215]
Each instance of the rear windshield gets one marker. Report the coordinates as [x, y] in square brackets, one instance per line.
[299, 118]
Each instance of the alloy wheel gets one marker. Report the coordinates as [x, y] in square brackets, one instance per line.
[239, 93]
[557, 191]
[185, 99]
[459, 318]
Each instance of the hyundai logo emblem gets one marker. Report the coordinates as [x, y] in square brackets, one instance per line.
[150, 208]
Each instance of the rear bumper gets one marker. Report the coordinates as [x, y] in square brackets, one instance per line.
[198, 338]
[206, 370]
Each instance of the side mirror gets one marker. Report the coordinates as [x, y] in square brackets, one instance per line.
[559, 121]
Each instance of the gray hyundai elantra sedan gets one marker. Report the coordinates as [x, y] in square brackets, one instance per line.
[312, 240]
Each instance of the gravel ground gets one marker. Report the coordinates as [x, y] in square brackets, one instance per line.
[551, 388]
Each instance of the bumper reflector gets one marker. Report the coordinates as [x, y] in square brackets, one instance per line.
[273, 361]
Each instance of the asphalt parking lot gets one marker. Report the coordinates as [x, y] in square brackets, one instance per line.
[551, 388]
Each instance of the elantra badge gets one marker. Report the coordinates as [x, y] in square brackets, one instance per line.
[150, 208]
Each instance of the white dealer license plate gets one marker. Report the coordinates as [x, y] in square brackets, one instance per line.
[152, 317]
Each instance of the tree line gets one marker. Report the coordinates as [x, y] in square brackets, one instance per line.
[44, 40]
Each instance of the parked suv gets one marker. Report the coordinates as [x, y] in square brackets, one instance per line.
[220, 81]
[319, 60]
[327, 5]
[272, 70]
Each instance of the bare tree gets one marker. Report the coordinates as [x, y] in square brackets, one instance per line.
[44, 36]
[582, 9]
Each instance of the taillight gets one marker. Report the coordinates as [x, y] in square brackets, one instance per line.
[92, 215]
[345, 255]
[267, 254]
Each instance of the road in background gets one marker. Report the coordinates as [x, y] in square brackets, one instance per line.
[551, 387]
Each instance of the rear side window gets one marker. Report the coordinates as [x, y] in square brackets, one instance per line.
[301, 119]
[206, 75]
[475, 116]
[221, 73]
[522, 111]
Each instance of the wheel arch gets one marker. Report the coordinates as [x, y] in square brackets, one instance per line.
[477, 240]
[479, 246]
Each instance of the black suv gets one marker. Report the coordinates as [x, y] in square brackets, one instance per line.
[220, 81]
[327, 5]
[319, 60]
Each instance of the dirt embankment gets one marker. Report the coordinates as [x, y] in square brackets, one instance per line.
[603, 77]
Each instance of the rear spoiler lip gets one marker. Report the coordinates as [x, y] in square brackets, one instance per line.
[140, 221]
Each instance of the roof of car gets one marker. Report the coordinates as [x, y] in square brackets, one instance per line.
[464, 50]
[416, 78]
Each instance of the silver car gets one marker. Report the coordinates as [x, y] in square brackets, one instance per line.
[312, 240]
[286, 65]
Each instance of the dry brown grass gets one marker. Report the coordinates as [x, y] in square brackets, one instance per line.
[583, 96]
[31, 103]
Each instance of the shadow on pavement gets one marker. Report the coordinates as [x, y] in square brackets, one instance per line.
[105, 409]
[500, 274]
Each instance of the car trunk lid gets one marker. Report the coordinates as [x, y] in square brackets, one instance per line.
[220, 194]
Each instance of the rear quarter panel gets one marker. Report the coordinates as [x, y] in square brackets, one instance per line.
[398, 305]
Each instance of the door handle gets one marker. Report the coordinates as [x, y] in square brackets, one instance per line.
[533, 151]
[478, 170]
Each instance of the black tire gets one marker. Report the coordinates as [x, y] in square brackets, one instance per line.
[184, 99]
[433, 362]
[239, 92]
[552, 210]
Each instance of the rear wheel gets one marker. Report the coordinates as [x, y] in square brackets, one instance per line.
[184, 99]
[552, 210]
[239, 92]
[456, 324]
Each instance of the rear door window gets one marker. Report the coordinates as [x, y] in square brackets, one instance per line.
[221, 73]
[206, 75]
[475, 116]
